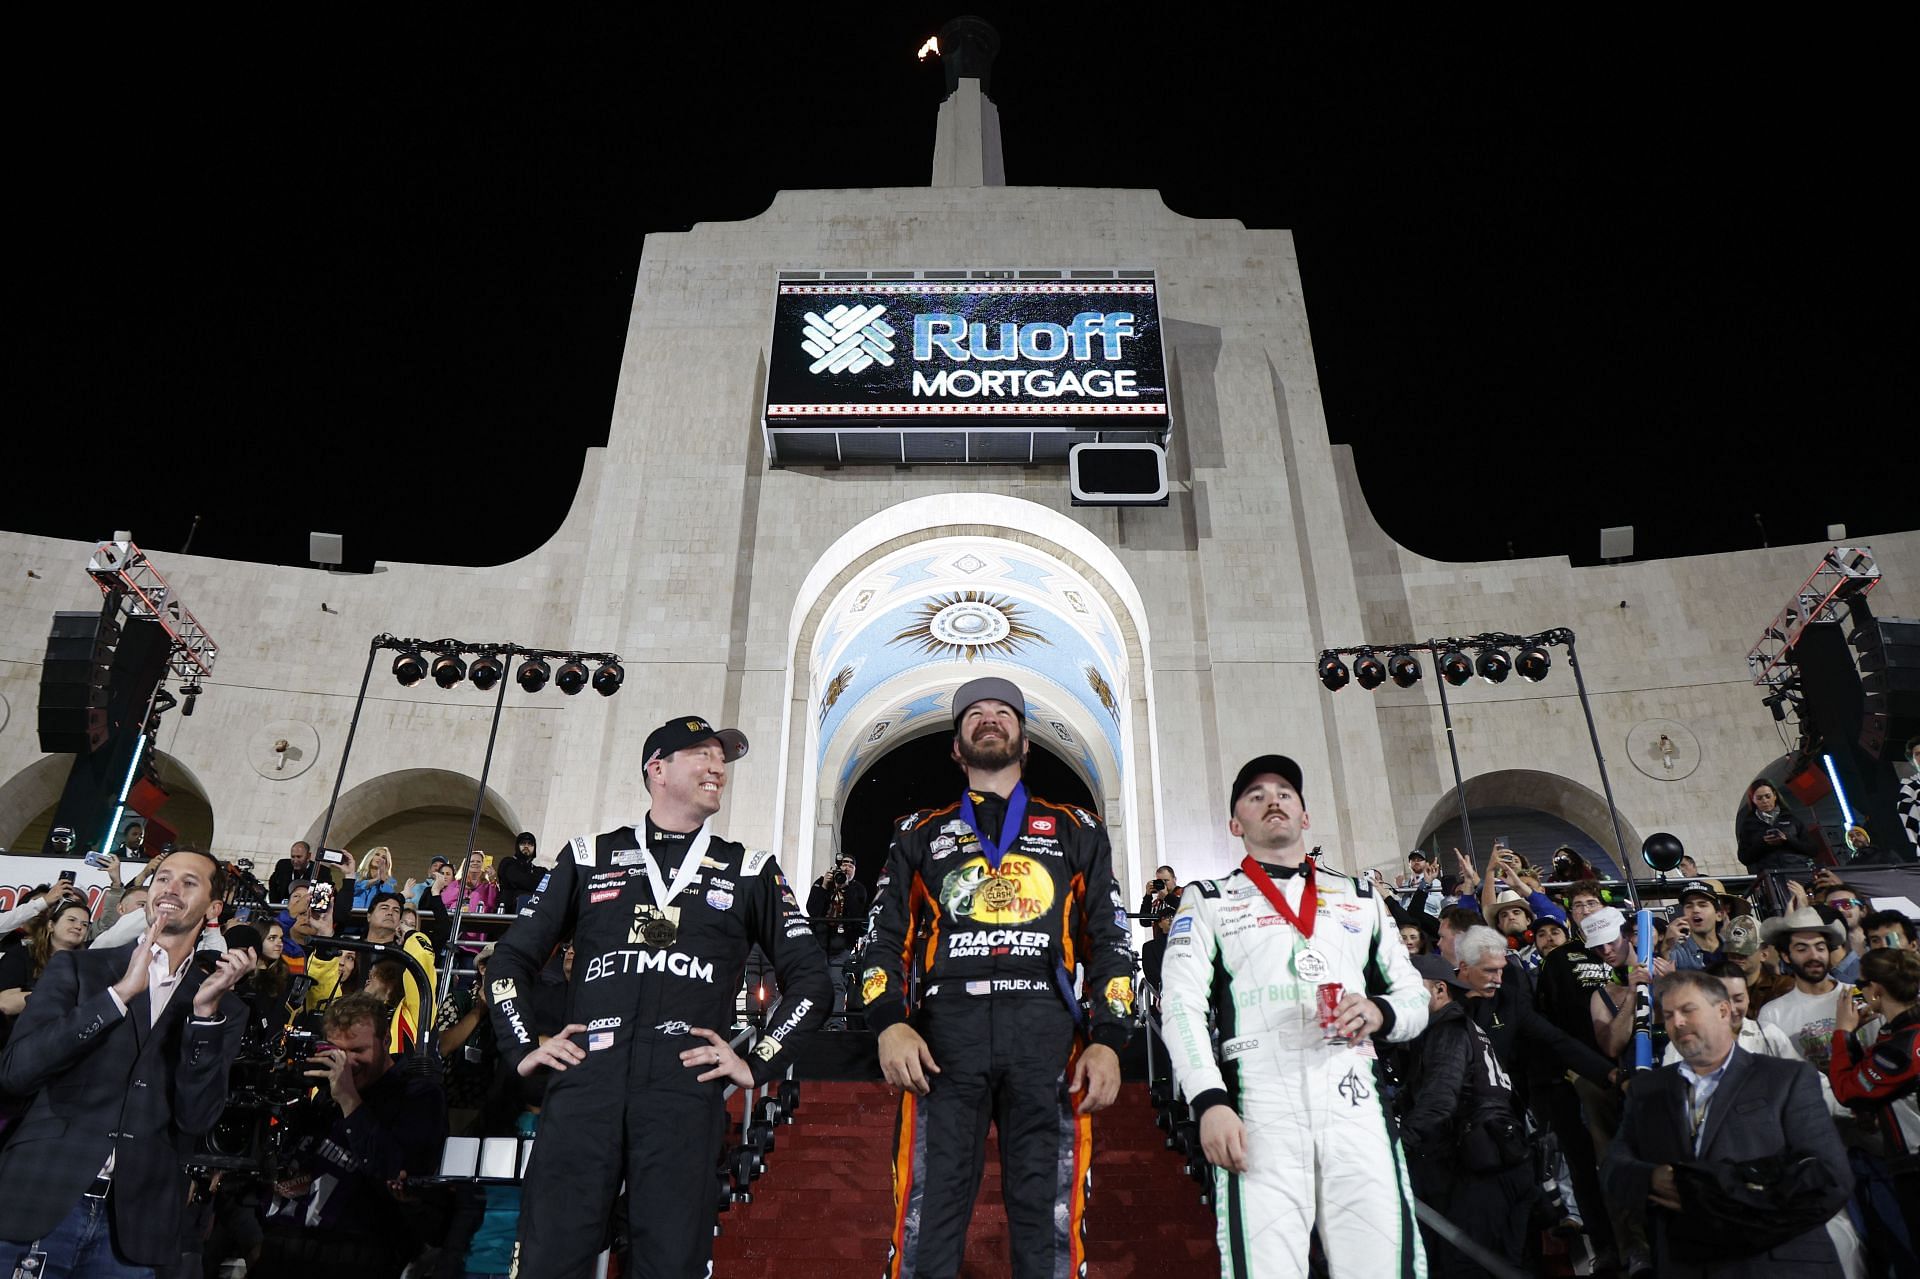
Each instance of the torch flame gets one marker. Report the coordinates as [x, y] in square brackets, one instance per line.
[931, 46]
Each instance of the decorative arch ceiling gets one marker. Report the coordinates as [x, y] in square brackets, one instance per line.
[940, 612]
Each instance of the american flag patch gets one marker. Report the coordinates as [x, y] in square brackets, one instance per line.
[599, 1039]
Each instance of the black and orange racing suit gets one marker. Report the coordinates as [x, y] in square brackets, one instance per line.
[996, 949]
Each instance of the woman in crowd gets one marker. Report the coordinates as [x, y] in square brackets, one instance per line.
[375, 876]
[1880, 1084]
[1770, 837]
[477, 886]
[27, 952]
[273, 994]
[481, 891]
[1414, 939]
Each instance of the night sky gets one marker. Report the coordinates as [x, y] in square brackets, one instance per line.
[308, 277]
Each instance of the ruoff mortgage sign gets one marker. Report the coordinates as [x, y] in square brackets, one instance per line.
[973, 368]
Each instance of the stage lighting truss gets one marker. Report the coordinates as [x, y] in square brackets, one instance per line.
[1844, 573]
[1492, 656]
[452, 662]
[123, 573]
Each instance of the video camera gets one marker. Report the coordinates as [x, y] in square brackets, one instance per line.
[266, 1087]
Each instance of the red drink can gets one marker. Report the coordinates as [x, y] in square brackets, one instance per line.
[1330, 994]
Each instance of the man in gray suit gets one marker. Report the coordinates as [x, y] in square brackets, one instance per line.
[1722, 1105]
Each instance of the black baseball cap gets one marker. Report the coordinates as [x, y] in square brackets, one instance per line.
[1699, 888]
[989, 688]
[683, 731]
[1260, 766]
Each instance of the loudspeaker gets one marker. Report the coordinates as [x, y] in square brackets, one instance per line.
[73, 682]
[1889, 650]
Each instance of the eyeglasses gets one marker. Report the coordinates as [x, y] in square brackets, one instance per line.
[1839, 902]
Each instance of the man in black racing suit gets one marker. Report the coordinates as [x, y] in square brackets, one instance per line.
[662, 916]
[997, 899]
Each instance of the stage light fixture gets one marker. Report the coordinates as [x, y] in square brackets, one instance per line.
[607, 680]
[448, 670]
[1493, 665]
[1456, 667]
[409, 668]
[1404, 668]
[1534, 663]
[1369, 672]
[534, 674]
[572, 676]
[192, 692]
[1333, 672]
[485, 672]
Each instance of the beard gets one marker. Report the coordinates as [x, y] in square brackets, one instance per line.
[1812, 972]
[994, 753]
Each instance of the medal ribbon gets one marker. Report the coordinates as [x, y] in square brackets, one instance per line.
[1009, 829]
[689, 865]
[1304, 919]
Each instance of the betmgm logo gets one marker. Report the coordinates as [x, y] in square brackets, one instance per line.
[847, 339]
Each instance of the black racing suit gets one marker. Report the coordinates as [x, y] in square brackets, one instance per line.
[996, 949]
[631, 1109]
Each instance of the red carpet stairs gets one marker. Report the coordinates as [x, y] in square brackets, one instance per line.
[823, 1206]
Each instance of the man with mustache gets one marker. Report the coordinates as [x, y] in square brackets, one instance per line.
[1013, 893]
[1805, 1013]
[1304, 974]
[661, 916]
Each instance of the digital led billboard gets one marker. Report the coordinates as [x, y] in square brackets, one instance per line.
[962, 370]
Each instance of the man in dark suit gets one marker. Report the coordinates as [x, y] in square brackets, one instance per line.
[128, 1050]
[1721, 1105]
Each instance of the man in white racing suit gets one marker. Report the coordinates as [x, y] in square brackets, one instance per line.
[1290, 1113]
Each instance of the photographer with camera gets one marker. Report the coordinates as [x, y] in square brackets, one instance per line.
[837, 905]
[340, 1202]
[128, 1050]
[1157, 909]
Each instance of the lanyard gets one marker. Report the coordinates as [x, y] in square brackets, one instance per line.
[1302, 920]
[689, 865]
[1009, 828]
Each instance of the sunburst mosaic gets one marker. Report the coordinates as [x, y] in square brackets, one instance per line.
[970, 625]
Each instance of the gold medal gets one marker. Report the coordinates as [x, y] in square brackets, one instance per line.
[997, 894]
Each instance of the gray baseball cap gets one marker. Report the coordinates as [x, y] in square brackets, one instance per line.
[989, 688]
[1436, 968]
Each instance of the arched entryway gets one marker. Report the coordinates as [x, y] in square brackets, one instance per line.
[28, 801]
[920, 774]
[417, 813]
[1536, 812]
[929, 594]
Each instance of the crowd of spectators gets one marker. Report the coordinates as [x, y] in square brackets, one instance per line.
[344, 1109]
[1777, 1134]
[1787, 1047]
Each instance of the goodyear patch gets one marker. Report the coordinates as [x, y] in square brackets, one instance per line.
[1181, 926]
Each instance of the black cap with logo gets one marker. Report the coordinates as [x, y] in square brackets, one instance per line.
[1699, 888]
[1260, 766]
[683, 731]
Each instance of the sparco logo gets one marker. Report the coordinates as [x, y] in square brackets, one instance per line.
[847, 339]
